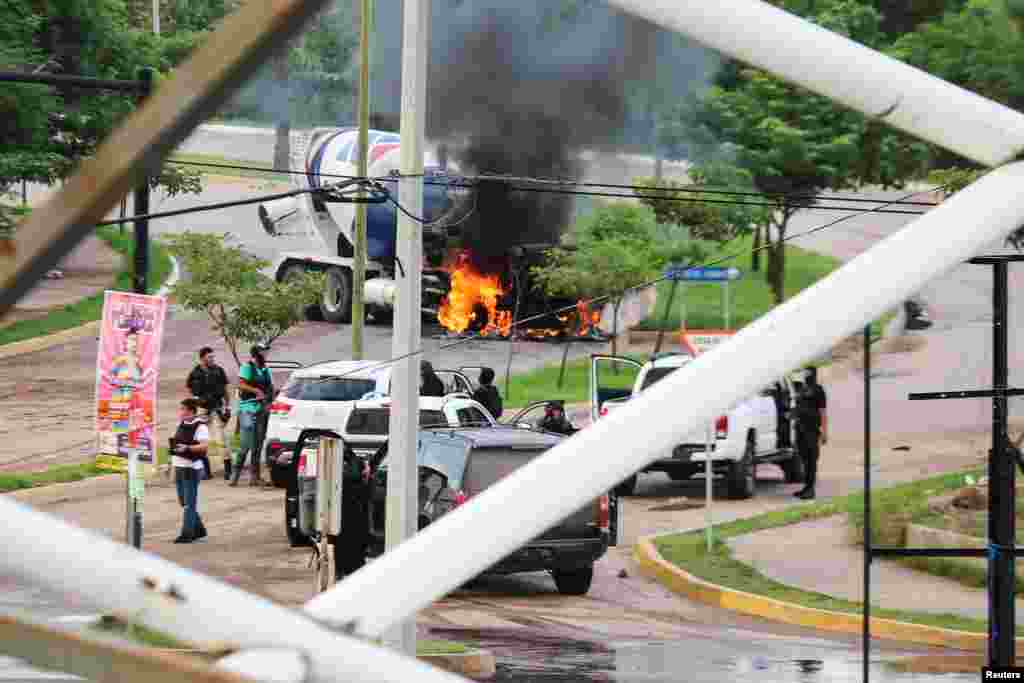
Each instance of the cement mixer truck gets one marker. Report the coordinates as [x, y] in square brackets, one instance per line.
[322, 155]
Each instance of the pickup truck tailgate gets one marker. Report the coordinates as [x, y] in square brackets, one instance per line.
[489, 465]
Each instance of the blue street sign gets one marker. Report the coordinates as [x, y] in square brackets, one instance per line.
[702, 274]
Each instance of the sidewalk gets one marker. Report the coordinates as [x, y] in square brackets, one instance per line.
[817, 556]
[88, 270]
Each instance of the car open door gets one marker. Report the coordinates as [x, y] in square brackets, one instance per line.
[455, 382]
[611, 379]
[528, 417]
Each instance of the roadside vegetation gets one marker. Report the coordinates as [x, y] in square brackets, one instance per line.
[61, 474]
[689, 551]
[749, 297]
[91, 308]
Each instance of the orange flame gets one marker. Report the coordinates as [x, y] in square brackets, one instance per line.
[471, 291]
[588, 319]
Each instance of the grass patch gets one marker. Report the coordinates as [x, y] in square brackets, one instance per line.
[254, 170]
[138, 633]
[689, 552]
[541, 383]
[440, 647]
[60, 474]
[91, 308]
[749, 297]
[892, 509]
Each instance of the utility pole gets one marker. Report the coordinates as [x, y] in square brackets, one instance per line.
[156, 17]
[359, 261]
[403, 483]
[133, 516]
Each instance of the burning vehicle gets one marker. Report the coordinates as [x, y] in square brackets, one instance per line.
[473, 282]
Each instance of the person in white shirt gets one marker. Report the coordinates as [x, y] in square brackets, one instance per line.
[188, 448]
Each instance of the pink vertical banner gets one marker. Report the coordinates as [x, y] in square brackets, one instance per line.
[127, 368]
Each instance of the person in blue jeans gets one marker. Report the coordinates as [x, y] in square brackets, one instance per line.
[255, 391]
[188, 448]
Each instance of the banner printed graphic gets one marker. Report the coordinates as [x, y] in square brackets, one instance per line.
[127, 369]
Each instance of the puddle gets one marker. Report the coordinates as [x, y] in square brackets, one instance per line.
[527, 657]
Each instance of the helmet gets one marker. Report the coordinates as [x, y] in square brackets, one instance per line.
[259, 349]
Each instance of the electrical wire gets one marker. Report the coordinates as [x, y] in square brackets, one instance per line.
[467, 180]
[622, 292]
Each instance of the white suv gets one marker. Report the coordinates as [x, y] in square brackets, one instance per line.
[321, 396]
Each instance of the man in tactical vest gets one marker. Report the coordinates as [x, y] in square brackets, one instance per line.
[811, 428]
[256, 391]
[188, 448]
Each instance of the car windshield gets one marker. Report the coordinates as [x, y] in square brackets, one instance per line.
[328, 388]
[655, 375]
[375, 421]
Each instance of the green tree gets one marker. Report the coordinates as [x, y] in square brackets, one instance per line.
[704, 213]
[243, 304]
[617, 247]
[795, 144]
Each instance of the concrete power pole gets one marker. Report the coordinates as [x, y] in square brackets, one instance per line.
[359, 263]
[403, 488]
[156, 17]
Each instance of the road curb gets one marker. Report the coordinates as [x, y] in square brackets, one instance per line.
[653, 565]
[71, 334]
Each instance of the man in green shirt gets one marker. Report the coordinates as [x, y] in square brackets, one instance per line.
[255, 392]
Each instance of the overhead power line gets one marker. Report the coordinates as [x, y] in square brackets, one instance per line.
[643, 285]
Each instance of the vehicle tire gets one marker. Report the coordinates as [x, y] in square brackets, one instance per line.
[573, 581]
[278, 476]
[382, 316]
[794, 469]
[336, 299]
[627, 487]
[292, 270]
[742, 477]
[680, 475]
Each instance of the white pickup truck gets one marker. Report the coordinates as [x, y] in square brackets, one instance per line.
[755, 431]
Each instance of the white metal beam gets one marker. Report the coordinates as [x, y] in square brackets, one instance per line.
[845, 71]
[522, 506]
[143, 588]
[403, 477]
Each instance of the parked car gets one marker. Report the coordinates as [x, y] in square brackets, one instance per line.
[454, 465]
[364, 427]
[322, 396]
[755, 431]
[457, 464]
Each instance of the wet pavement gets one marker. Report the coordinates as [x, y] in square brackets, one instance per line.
[698, 659]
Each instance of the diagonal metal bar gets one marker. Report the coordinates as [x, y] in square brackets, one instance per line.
[849, 73]
[195, 91]
[534, 498]
[139, 587]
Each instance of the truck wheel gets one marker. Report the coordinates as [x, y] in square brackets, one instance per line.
[296, 270]
[627, 487]
[794, 469]
[336, 299]
[575, 581]
[742, 479]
